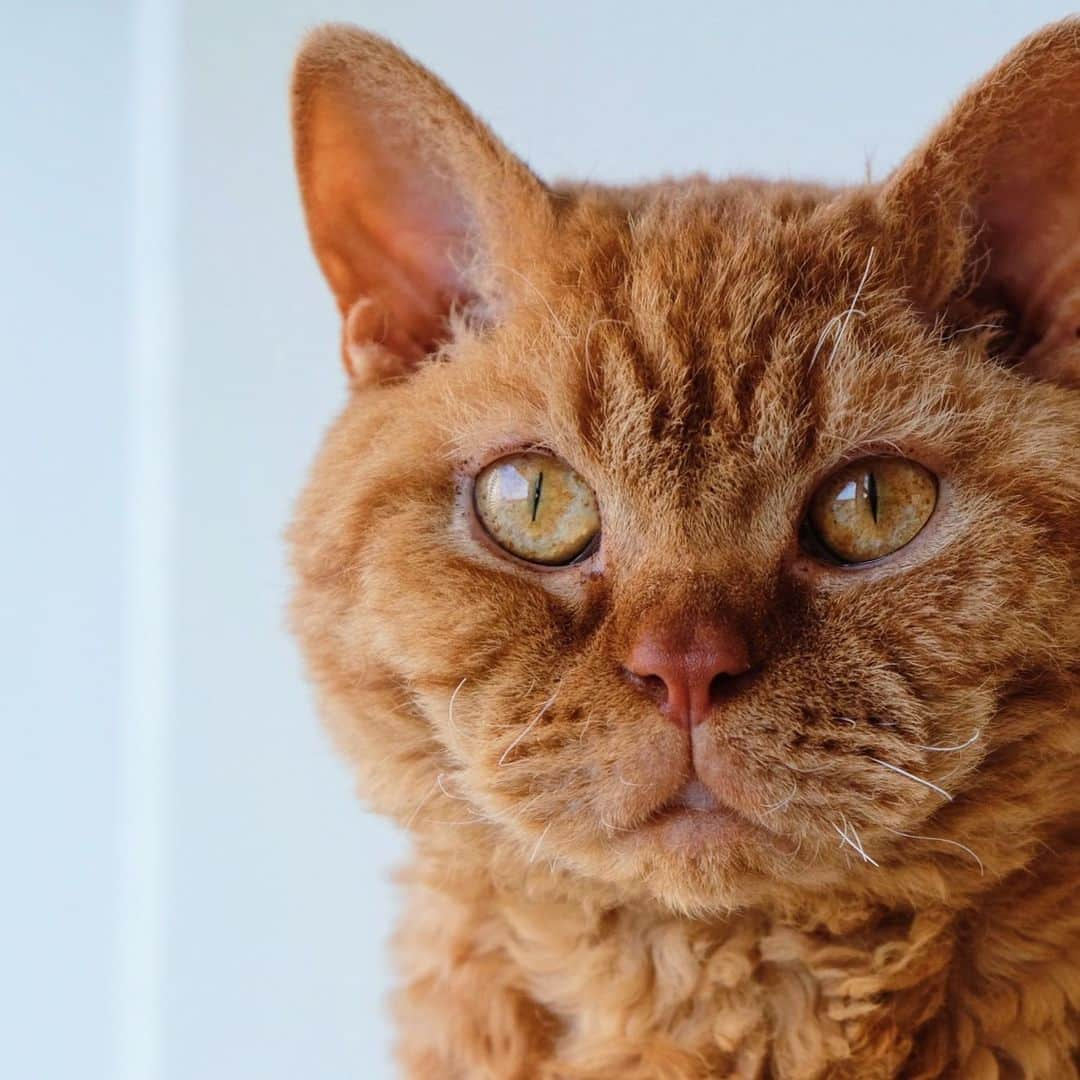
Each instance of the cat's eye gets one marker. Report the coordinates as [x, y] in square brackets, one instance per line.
[537, 508]
[871, 508]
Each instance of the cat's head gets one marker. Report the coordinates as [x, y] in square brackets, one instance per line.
[700, 540]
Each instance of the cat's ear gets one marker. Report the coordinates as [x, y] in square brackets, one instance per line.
[415, 210]
[986, 213]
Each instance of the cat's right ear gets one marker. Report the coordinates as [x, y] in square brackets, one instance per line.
[986, 213]
[416, 212]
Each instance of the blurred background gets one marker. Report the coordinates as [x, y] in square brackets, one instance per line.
[190, 889]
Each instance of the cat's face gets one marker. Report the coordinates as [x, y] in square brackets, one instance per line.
[714, 555]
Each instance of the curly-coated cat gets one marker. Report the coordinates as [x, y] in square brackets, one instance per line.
[694, 571]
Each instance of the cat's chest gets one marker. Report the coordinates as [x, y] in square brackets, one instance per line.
[746, 997]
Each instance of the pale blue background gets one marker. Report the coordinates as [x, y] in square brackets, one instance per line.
[189, 889]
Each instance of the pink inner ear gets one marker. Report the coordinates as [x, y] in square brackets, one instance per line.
[1033, 230]
[390, 232]
[1034, 236]
[993, 200]
[414, 207]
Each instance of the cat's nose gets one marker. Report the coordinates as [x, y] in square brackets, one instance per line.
[687, 666]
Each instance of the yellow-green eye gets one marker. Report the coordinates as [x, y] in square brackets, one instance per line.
[537, 508]
[872, 508]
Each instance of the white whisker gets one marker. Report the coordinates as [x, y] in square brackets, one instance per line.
[859, 844]
[536, 849]
[784, 801]
[454, 697]
[822, 336]
[851, 833]
[845, 318]
[450, 708]
[911, 776]
[448, 794]
[420, 805]
[970, 329]
[854, 844]
[952, 749]
[943, 840]
[529, 726]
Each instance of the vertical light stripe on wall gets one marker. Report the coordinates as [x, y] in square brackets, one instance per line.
[143, 794]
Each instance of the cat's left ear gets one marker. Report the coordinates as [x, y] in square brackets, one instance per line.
[415, 210]
[986, 213]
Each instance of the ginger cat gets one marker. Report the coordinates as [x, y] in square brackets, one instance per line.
[694, 571]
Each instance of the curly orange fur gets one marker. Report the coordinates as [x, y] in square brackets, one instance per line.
[703, 353]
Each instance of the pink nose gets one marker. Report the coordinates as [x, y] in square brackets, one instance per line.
[688, 666]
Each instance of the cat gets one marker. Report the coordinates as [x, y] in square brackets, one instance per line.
[693, 571]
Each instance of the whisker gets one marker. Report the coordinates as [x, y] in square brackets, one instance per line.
[585, 726]
[448, 794]
[969, 329]
[911, 776]
[952, 749]
[943, 840]
[450, 707]
[823, 335]
[855, 846]
[851, 833]
[608, 827]
[420, 805]
[859, 844]
[536, 849]
[784, 801]
[529, 726]
[846, 317]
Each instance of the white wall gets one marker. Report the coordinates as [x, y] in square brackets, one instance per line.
[64, 185]
[191, 890]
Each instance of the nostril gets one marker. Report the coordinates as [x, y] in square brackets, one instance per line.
[725, 686]
[652, 685]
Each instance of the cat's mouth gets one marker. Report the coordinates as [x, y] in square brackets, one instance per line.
[696, 820]
[693, 795]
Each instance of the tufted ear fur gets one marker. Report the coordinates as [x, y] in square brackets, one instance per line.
[416, 212]
[987, 211]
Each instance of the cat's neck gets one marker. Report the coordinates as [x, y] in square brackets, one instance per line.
[844, 983]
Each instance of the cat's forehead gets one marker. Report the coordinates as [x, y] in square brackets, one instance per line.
[712, 322]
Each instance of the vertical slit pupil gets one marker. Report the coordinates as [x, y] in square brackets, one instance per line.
[872, 493]
[536, 493]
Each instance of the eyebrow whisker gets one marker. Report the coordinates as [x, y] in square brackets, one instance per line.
[843, 319]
